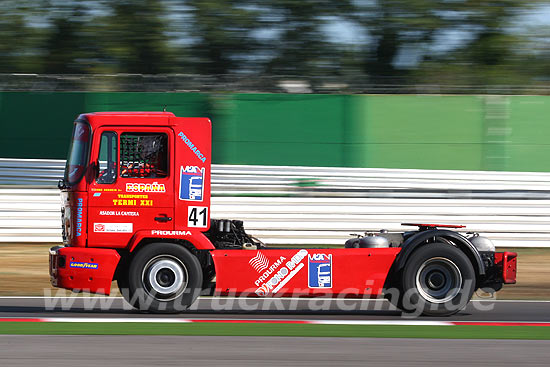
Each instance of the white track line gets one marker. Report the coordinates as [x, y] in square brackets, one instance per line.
[146, 320]
[272, 321]
[282, 298]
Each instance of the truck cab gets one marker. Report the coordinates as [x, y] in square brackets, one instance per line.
[126, 177]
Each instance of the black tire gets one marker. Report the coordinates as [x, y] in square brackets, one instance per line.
[164, 278]
[438, 280]
[124, 287]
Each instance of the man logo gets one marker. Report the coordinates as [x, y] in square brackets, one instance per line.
[191, 183]
[320, 271]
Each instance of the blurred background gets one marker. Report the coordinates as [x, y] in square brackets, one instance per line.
[456, 90]
[449, 84]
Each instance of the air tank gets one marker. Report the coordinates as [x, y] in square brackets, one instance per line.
[482, 244]
[372, 241]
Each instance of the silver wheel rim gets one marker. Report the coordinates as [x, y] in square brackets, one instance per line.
[438, 280]
[165, 277]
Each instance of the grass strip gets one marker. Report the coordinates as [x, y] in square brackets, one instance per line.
[235, 329]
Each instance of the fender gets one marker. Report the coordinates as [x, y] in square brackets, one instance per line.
[197, 239]
[418, 239]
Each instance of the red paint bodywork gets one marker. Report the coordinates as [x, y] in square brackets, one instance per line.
[432, 225]
[508, 262]
[99, 199]
[83, 269]
[354, 272]
[90, 206]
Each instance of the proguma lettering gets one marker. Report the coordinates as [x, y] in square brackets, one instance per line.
[192, 146]
[79, 209]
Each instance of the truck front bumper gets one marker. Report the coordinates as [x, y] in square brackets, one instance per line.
[83, 269]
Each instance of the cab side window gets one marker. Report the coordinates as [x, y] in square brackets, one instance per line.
[143, 155]
[107, 159]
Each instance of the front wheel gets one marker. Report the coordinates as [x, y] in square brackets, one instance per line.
[164, 277]
[438, 280]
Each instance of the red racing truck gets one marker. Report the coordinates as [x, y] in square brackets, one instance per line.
[136, 209]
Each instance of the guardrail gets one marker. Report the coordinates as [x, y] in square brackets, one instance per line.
[312, 205]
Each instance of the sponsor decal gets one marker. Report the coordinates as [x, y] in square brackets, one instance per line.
[132, 202]
[259, 262]
[197, 216]
[170, 233]
[145, 187]
[191, 183]
[83, 265]
[97, 194]
[132, 196]
[113, 227]
[119, 213]
[320, 271]
[192, 146]
[283, 275]
[269, 271]
[79, 211]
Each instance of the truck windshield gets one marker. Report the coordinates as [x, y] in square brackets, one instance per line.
[78, 153]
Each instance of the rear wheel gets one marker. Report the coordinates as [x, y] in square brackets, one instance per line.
[164, 277]
[438, 280]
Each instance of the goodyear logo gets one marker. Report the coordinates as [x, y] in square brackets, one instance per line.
[82, 265]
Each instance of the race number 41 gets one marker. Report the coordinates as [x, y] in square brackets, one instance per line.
[197, 216]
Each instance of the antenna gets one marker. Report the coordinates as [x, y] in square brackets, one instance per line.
[164, 108]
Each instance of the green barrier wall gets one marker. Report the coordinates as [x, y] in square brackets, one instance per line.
[39, 125]
[391, 131]
[428, 132]
[281, 129]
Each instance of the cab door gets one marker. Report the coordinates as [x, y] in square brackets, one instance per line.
[193, 170]
[134, 185]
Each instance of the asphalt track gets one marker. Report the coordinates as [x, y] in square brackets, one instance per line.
[276, 308]
[137, 350]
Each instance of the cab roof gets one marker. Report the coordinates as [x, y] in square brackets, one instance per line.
[130, 113]
[97, 119]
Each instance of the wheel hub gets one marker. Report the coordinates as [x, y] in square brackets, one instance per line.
[438, 280]
[165, 277]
